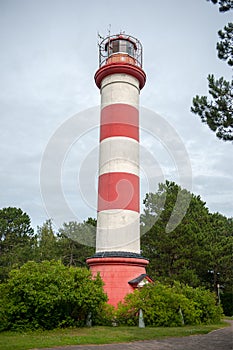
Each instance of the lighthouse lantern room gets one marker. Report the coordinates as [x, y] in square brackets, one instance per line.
[120, 48]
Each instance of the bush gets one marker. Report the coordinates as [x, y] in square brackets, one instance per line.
[106, 316]
[204, 302]
[48, 295]
[168, 306]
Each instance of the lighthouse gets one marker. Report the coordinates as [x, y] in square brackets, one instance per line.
[120, 78]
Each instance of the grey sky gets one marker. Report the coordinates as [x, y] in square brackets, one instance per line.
[48, 58]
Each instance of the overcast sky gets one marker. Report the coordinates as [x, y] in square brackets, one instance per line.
[48, 59]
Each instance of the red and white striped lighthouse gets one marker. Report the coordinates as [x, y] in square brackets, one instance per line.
[120, 78]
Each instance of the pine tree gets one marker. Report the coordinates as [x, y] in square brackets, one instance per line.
[217, 113]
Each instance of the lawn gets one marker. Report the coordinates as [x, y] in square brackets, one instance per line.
[94, 335]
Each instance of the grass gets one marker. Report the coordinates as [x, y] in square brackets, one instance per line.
[95, 335]
[228, 318]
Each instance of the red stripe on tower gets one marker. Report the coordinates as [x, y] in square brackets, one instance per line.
[119, 120]
[118, 191]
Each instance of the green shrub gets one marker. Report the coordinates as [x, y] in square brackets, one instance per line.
[204, 303]
[164, 305]
[49, 295]
[106, 316]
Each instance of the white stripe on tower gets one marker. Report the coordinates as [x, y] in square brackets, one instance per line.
[118, 187]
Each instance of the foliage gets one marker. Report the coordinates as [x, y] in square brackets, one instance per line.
[48, 295]
[227, 303]
[204, 301]
[17, 240]
[225, 46]
[19, 244]
[173, 254]
[47, 248]
[76, 242]
[68, 245]
[169, 306]
[197, 252]
[106, 316]
[224, 5]
[219, 258]
[217, 112]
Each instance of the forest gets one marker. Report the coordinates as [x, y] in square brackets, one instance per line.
[196, 252]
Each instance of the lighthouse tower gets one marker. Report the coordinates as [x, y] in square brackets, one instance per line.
[120, 78]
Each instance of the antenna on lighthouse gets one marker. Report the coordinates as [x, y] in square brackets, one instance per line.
[100, 36]
[109, 29]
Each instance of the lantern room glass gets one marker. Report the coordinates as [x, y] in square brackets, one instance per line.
[123, 46]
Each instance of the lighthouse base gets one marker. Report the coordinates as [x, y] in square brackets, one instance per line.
[120, 272]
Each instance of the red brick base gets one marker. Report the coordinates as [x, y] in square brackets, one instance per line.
[116, 272]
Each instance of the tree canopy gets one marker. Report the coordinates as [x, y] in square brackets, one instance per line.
[224, 5]
[197, 252]
[217, 112]
[17, 240]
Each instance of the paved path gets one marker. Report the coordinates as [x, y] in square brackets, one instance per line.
[221, 339]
